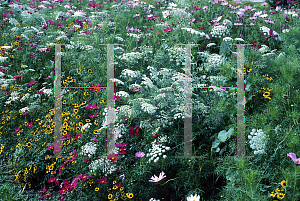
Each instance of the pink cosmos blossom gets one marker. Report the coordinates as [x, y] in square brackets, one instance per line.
[157, 179]
[139, 154]
[113, 157]
[293, 157]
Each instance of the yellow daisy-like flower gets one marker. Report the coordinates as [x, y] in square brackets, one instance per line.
[115, 187]
[122, 188]
[283, 184]
[265, 75]
[273, 194]
[28, 144]
[129, 195]
[269, 78]
[97, 189]
[266, 94]
[280, 195]
[114, 182]
[109, 196]
[116, 198]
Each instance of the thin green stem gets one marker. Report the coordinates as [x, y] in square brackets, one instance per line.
[295, 183]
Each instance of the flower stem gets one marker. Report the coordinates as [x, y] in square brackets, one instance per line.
[295, 182]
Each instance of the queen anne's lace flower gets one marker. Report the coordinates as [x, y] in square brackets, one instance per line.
[88, 149]
[219, 31]
[258, 140]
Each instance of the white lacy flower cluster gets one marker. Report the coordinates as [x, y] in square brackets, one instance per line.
[131, 57]
[13, 97]
[103, 164]
[157, 149]
[88, 149]
[264, 49]
[211, 61]
[177, 54]
[258, 140]
[219, 31]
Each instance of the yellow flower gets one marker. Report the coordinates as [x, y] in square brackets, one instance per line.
[266, 94]
[110, 196]
[129, 195]
[28, 144]
[280, 195]
[114, 182]
[122, 188]
[115, 187]
[283, 183]
[97, 189]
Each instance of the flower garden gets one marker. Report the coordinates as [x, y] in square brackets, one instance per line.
[149, 97]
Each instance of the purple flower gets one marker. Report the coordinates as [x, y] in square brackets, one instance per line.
[140, 154]
[51, 22]
[293, 157]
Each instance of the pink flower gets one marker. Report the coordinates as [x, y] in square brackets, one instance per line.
[17, 129]
[133, 132]
[32, 83]
[135, 89]
[95, 140]
[139, 154]
[102, 180]
[113, 157]
[117, 98]
[51, 180]
[31, 55]
[80, 176]
[30, 124]
[50, 147]
[95, 90]
[92, 115]
[293, 157]
[19, 48]
[157, 179]
[78, 136]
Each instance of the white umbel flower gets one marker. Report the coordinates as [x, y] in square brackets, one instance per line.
[258, 140]
[149, 108]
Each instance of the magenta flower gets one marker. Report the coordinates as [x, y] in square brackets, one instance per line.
[51, 22]
[157, 179]
[133, 131]
[32, 82]
[51, 180]
[78, 136]
[293, 157]
[92, 115]
[270, 34]
[102, 180]
[97, 89]
[17, 129]
[50, 147]
[117, 98]
[135, 89]
[19, 48]
[113, 157]
[31, 55]
[139, 154]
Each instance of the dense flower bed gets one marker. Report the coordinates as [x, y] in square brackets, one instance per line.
[149, 99]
